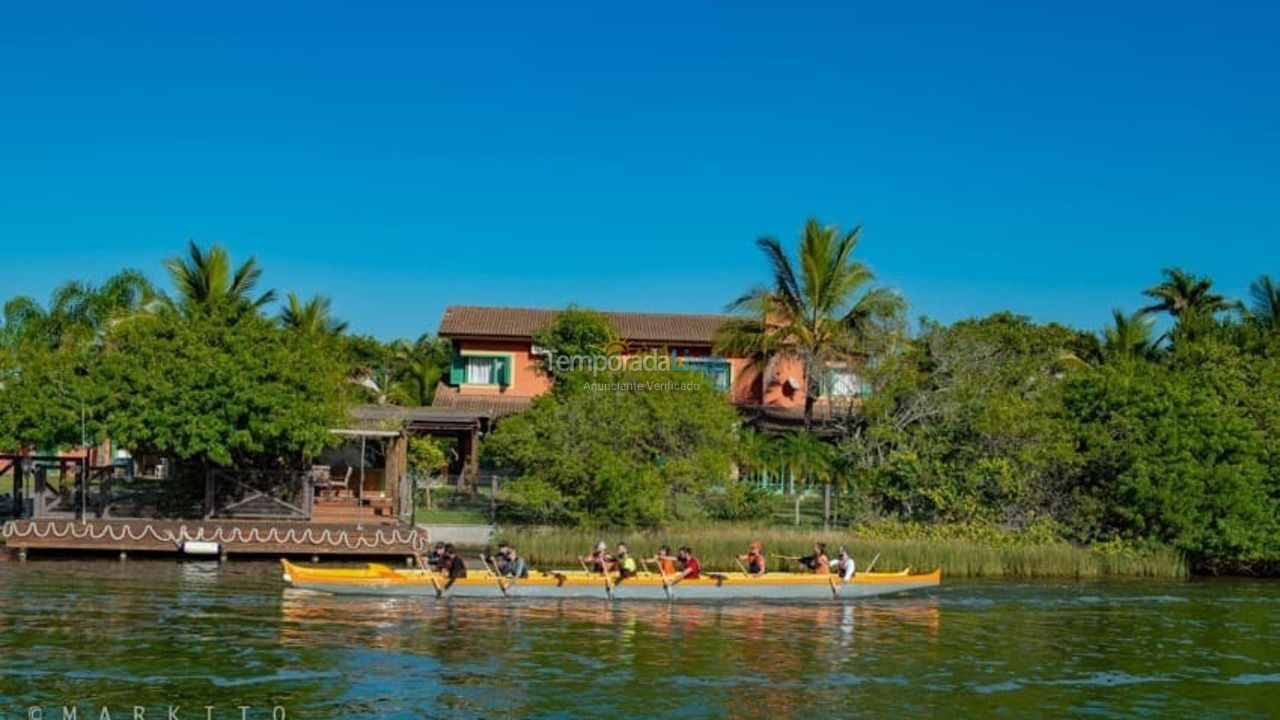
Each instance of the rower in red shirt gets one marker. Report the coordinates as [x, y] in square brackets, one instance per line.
[690, 567]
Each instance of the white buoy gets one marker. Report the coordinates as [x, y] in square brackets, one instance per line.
[201, 547]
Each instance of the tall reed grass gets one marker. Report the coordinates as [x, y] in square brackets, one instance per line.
[716, 547]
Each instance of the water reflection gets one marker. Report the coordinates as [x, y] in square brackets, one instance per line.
[390, 622]
[190, 633]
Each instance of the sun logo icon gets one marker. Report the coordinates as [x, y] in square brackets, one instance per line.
[615, 344]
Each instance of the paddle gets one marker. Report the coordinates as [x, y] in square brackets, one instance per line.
[788, 557]
[608, 581]
[873, 563]
[744, 567]
[644, 564]
[502, 585]
[430, 574]
[666, 584]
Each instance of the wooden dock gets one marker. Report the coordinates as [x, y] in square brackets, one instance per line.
[232, 537]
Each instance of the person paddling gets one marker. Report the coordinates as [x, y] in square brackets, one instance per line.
[818, 562]
[665, 561]
[452, 565]
[511, 564]
[599, 559]
[754, 558]
[497, 560]
[844, 565]
[690, 568]
[625, 563]
[436, 556]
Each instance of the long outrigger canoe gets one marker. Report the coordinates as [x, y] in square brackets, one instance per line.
[375, 579]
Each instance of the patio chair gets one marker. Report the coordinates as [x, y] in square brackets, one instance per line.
[344, 484]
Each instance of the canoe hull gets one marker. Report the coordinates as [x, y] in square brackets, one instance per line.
[382, 581]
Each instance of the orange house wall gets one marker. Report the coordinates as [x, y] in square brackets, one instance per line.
[526, 379]
[529, 381]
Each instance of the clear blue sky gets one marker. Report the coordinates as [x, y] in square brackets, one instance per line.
[1048, 158]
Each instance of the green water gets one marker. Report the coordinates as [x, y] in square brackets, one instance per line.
[160, 633]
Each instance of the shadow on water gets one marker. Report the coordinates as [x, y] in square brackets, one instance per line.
[157, 633]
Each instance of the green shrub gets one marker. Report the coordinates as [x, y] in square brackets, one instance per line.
[740, 502]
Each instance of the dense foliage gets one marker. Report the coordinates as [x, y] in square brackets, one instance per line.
[238, 391]
[592, 452]
[203, 376]
[1013, 424]
[575, 332]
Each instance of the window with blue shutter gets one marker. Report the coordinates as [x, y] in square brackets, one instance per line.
[503, 371]
[480, 370]
[458, 370]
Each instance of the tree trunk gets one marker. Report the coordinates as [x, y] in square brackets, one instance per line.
[810, 384]
[808, 394]
[493, 500]
[826, 506]
[798, 496]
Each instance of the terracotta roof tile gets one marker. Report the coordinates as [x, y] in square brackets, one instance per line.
[675, 328]
[496, 406]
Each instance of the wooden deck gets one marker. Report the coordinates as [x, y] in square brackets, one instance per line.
[234, 536]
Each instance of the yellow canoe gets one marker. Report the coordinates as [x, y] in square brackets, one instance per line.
[376, 579]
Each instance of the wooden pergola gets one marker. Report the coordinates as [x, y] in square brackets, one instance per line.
[394, 426]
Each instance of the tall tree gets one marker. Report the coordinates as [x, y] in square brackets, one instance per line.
[819, 307]
[262, 395]
[1265, 308]
[207, 284]
[1183, 294]
[312, 316]
[1130, 336]
[418, 367]
[79, 314]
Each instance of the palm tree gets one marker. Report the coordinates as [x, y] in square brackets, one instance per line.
[24, 320]
[79, 314]
[754, 451]
[811, 460]
[756, 454]
[1130, 336]
[1265, 309]
[419, 366]
[821, 313]
[1183, 294]
[206, 283]
[312, 316]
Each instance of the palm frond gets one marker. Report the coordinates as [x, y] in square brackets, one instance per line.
[1265, 308]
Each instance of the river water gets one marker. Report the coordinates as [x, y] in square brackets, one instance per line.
[230, 642]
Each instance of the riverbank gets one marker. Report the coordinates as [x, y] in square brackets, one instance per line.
[716, 547]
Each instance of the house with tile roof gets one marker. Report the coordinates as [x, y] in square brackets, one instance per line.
[497, 370]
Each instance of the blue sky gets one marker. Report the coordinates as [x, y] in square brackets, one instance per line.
[1049, 158]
